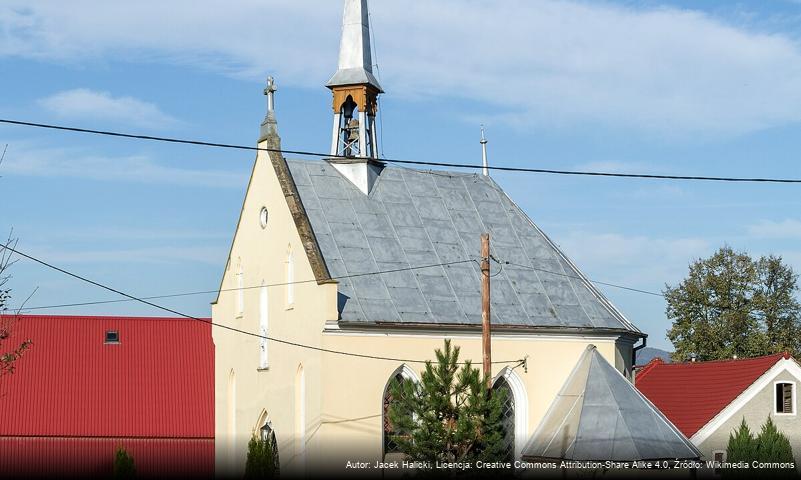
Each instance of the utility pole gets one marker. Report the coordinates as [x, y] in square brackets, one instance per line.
[485, 308]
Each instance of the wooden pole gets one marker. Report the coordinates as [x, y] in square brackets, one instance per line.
[485, 308]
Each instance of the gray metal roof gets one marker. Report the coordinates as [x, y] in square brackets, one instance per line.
[414, 218]
[599, 415]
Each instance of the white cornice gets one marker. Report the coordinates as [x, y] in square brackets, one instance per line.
[334, 330]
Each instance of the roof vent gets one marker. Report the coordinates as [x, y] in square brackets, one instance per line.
[112, 336]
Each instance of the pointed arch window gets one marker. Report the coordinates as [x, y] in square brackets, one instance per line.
[264, 324]
[300, 414]
[514, 412]
[267, 435]
[390, 432]
[231, 400]
[290, 278]
[507, 417]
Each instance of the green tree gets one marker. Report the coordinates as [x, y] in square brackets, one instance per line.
[262, 459]
[742, 447]
[450, 416]
[770, 446]
[731, 304]
[776, 305]
[124, 467]
[774, 447]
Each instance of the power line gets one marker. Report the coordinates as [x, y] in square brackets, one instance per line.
[251, 287]
[409, 162]
[226, 327]
[270, 285]
[694, 302]
[580, 278]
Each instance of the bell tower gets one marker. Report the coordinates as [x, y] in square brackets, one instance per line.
[354, 88]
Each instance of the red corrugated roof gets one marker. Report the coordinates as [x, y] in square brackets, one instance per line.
[157, 382]
[691, 394]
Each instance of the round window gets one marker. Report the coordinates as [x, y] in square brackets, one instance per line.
[263, 217]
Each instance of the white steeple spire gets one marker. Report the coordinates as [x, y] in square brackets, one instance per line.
[355, 57]
[354, 139]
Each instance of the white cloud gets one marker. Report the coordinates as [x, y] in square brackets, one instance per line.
[77, 163]
[785, 229]
[637, 261]
[85, 104]
[549, 62]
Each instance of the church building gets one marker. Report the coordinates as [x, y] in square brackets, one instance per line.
[351, 271]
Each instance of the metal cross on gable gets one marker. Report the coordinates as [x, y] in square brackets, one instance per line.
[271, 88]
[270, 92]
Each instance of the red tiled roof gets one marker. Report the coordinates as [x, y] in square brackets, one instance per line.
[158, 382]
[691, 394]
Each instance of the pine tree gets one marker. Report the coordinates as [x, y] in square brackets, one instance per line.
[449, 416]
[124, 467]
[774, 447]
[742, 448]
[261, 461]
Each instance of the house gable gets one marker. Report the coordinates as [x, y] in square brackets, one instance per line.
[292, 204]
[785, 369]
[691, 394]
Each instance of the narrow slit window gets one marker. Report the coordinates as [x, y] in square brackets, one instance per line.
[290, 279]
[112, 336]
[240, 290]
[264, 311]
[785, 398]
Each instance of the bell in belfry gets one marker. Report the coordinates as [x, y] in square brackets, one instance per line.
[351, 131]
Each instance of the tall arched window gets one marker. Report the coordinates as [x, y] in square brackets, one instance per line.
[267, 434]
[508, 417]
[515, 412]
[231, 400]
[402, 375]
[264, 313]
[300, 415]
[240, 289]
[290, 278]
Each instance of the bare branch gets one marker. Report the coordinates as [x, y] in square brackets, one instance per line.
[19, 310]
[6, 256]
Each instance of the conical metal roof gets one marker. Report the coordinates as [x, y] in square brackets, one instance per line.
[355, 57]
[599, 415]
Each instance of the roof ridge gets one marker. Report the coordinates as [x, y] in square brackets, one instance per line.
[96, 317]
[731, 360]
[644, 369]
[453, 173]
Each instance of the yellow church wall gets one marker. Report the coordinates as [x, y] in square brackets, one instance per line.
[342, 395]
[263, 254]
[354, 387]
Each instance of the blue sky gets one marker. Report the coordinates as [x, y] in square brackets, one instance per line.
[682, 87]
